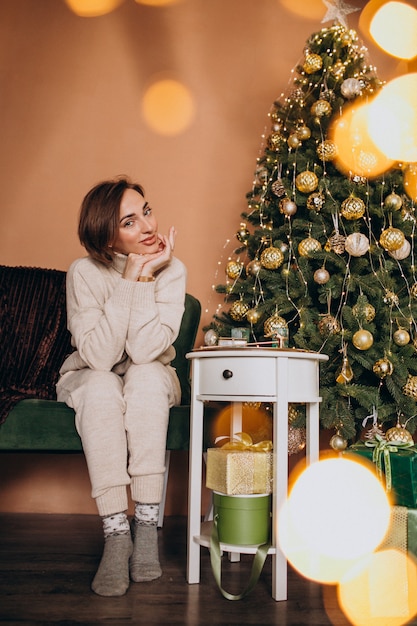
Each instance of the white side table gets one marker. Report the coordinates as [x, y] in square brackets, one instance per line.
[255, 375]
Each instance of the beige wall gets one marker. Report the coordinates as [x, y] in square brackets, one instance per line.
[71, 91]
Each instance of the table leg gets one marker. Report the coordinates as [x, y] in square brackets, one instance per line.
[194, 491]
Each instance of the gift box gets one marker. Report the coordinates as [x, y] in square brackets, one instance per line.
[243, 519]
[402, 532]
[401, 477]
[235, 470]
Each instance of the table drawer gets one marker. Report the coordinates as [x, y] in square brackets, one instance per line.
[237, 376]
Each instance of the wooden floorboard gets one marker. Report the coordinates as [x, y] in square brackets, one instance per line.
[47, 563]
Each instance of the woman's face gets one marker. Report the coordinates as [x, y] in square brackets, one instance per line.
[138, 229]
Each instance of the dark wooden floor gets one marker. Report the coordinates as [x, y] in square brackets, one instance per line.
[47, 563]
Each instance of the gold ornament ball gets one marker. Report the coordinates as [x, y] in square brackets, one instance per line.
[272, 258]
[308, 246]
[273, 324]
[338, 443]
[306, 181]
[287, 207]
[357, 244]
[410, 387]
[321, 108]
[366, 310]
[238, 310]
[329, 325]
[315, 201]
[392, 239]
[253, 316]
[253, 267]
[278, 188]
[393, 202]
[413, 290]
[313, 63]
[383, 367]
[243, 233]
[336, 243]
[293, 141]
[304, 133]
[352, 208]
[362, 339]
[297, 438]
[400, 434]
[401, 337]
[327, 150]
[321, 276]
[234, 269]
[275, 140]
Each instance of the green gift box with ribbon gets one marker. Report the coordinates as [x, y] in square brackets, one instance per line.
[395, 463]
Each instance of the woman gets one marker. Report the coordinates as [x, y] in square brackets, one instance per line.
[125, 302]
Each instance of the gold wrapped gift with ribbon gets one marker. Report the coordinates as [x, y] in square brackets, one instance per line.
[240, 467]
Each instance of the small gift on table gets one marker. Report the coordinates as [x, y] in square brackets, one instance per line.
[240, 467]
[395, 463]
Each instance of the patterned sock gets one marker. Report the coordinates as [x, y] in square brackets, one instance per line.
[112, 577]
[144, 562]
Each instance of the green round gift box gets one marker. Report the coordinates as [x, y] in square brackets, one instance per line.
[243, 520]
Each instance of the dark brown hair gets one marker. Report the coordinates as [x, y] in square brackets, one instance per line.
[99, 217]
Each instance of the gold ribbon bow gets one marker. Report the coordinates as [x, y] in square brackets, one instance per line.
[382, 448]
[243, 441]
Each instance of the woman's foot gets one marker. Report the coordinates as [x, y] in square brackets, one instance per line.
[144, 562]
[112, 577]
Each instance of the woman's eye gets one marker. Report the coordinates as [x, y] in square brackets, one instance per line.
[147, 211]
[128, 223]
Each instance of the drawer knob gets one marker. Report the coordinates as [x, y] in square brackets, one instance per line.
[227, 374]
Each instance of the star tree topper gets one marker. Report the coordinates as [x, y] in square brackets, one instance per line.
[338, 10]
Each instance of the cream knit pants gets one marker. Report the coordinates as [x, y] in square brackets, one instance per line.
[122, 422]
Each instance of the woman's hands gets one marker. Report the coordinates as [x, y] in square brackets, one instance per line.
[147, 264]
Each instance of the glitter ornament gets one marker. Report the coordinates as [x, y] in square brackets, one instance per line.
[327, 150]
[391, 298]
[336, 243]
[234, 269]
[275, 140]
[321, 276]
[238, 310]
[313, 63]
[274, 324]
[410, 387]
[362, 339]
[402, 253]
[350, 88]
[306, 182]
[315, 201]
[401, 337]
[400, 434]
[413, 290]
[243, 233]
[211, 337]
[296, 439]
[308, 246]
[393, 202]
[383, 367]
[278, 188]
[365, 311]
[338, 443]
[253, 267]
[357, 244]
[287, 207]
[328, 325]
[304, 133]
[321, 108]
[392, 239]
[352, 208]
[253, 316]
[272, 258]
[292, 414]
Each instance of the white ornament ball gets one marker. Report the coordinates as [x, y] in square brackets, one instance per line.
[211, 337]
[401, 253]
[321, 276]
[351, 87]
[357, 244]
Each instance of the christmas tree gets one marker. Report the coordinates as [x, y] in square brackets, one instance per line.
[325, 253]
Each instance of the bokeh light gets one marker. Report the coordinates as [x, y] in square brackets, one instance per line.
[168, 107]
[410, 180]
[307, 9]
[381, 590]
[93, 8]
[158, 3]
[337, 511]
[393, 119]
[357, 152]
[392, 25]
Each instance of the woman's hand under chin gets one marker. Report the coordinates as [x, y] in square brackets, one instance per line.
[147, 264]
